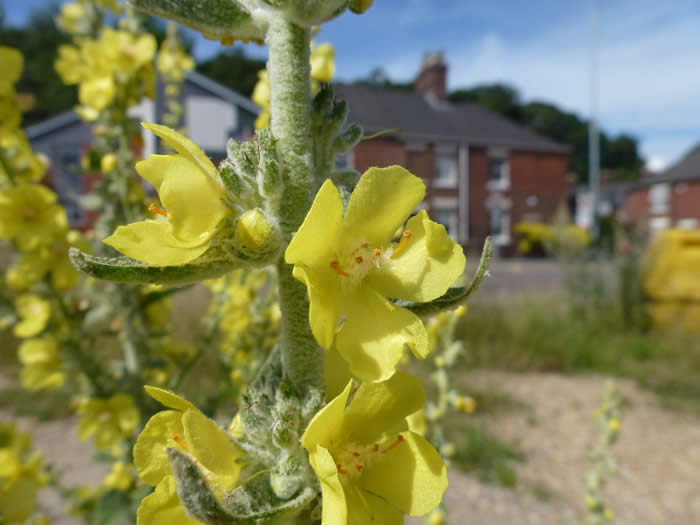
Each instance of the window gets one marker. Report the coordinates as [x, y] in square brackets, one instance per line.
[499, 224]
[499, 171]
[445, 170]
[341, 162]
[659, 198]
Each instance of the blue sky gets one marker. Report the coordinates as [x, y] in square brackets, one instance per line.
[649, 55]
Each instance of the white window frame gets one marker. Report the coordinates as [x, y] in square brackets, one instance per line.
[451, 181]
[659, 198]
[450, 205]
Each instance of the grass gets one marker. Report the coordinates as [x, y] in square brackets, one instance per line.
[486, 456]
[549, 336]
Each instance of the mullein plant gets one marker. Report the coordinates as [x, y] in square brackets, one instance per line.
[446, 350]
[173, 63]
[354, 271]
[604, 465]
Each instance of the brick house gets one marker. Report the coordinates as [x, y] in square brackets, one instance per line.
[483, 173]
[670, 199]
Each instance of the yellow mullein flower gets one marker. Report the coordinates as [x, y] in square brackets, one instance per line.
[42, 366]
[69, 64]
[350, 267]
[34, 312]
[186, 429]
[72, 18]
[188, 187]
[357, 450]
[109, 420]
[13, 63]
[121, 477]
[129, 52]
[30, 215]
[21, 163]
[261, 96]
[21, 476]
[173, 63]
[322, 62]
[97, 93]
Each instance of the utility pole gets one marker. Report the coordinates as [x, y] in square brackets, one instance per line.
[593, 140]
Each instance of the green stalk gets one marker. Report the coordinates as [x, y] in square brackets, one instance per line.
[290, 106]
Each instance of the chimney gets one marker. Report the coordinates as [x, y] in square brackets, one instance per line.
[433, 76]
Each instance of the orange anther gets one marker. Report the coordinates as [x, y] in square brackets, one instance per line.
[359, 260]
[404, 240]
[358, 468]
[396, 443]
[179, 441]
[340, 469]
[356, 454]
[375, 447]
[377, 253]
[336, 266]
[155, 209]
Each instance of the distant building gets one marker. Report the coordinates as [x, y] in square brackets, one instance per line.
[670, 199]
[483, 172]
[212, 114]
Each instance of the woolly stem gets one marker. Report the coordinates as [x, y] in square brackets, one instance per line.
[290, 107]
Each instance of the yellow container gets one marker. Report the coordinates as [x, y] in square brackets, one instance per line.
[671, 274]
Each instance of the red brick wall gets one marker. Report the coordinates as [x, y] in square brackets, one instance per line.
[542, 175]
[379, 153]
[685, 201]
[478, 193]
[635, 206]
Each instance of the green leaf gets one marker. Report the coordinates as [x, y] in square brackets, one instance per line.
[215, 19]
[457, 295]
[126, 270]
[255, 502]
[111, 505]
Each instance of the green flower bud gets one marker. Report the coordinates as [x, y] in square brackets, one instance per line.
[360, 6]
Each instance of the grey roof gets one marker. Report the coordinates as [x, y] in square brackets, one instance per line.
[425, 118]
[685, 170]
[70, 117]
[223, 92]
[61, 120]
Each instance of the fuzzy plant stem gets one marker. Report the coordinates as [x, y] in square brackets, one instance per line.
[290, 106]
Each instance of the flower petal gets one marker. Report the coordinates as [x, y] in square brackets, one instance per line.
[163, 507]
[324, 302]
[365, 508]
[315, 243]
[373, 337]
[154, 168]
[169, 399]
[381, 408]
[150, 450]
[334, 507]
[153, 243]
[425, 268]
[325, 427]
[214, 450]
[336, 373]
[184, 147]
[380, 203]
[193, 202]
[422, 482]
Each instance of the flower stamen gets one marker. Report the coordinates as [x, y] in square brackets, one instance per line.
[404, 241]
[336, 266]
[177, 439]
[155, 209]
[399, 440]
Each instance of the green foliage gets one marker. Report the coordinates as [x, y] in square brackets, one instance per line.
[488, 457]
[234, 69]
[40, 40]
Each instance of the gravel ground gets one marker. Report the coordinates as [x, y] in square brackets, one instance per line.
[658, 453]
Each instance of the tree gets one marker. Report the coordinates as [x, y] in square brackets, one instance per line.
[498, 98]
[234, 70]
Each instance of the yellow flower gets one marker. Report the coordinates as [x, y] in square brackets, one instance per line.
[173, 62]
[13, 63]
[69, 64]
[34, 312]
[109, 420]
[322, 62]
[350, 267]
[72, 18]
[21, 476]
[121, 477]
[357, 451]
[465, 404]
[614, 425]
[51, 258]
[186, 429]
[97, 93]
[108, 162]
[19, 162]
[30, 215]
[42, 367]
[192, 196]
